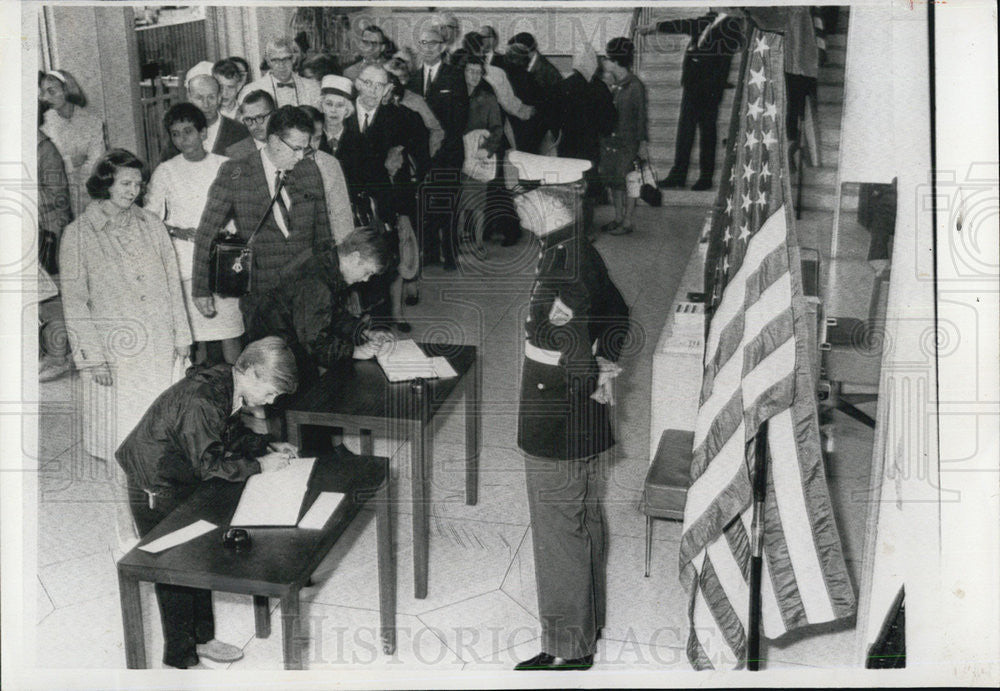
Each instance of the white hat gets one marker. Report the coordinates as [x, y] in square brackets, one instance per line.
[548, 170]
[335, 84]
[202, 69]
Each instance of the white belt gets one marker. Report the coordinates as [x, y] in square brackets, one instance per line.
[545, 357]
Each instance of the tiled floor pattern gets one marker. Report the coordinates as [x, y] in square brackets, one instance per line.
[480, 615]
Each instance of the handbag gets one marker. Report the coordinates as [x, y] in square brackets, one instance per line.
[649, 192]
[230, 259]
[477, 167]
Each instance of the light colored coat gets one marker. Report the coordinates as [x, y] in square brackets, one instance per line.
[124, 307]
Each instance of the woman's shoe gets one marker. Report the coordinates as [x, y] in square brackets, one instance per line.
[403, 326]
[621, 230]
[610, 227]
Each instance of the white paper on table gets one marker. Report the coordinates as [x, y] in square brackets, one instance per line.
[321, 510]
[274, 498]
[403, 360]
[178, 537]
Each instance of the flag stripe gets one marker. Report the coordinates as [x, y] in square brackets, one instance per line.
[772, 267]
[722, 428]
[729, 342]
[739, 544]
[719, 473]
[780, 363]
[767, 340]
[794, 514]
[730, 577]
[720, 606]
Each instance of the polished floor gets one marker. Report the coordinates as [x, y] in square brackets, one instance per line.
[480, 614]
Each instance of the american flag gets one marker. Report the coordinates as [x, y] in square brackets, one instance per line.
[758, 367]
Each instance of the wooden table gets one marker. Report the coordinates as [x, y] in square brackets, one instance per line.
[280, 560]
[355, 394]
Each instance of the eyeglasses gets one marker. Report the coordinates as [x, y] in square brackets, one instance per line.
[255, 119]
[287, 59]
[430, 42]
[369, 42]
[306, 150]
[369, 84]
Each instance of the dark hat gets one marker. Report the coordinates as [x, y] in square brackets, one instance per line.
[525, 39]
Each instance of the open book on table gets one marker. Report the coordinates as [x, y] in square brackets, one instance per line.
[403, 360]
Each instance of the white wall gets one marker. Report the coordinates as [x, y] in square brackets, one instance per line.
[931, 529]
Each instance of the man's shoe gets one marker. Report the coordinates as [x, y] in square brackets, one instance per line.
[702, 185]
[412, 300]
[403, 326]
[609, 226]
[217, 651]
[621, 230]
[546, 662]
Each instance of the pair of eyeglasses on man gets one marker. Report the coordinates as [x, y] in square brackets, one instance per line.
[369, 84]
[284, 60]
[306, 150]
[255, 119]
[429, 42]
[369, 42]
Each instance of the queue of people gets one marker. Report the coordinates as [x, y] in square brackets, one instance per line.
[346, 185]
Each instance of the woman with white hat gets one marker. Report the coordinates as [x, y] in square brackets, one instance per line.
[77, 133]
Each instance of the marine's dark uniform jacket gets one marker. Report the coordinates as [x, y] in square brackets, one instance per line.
[557, 417]
[190, 434]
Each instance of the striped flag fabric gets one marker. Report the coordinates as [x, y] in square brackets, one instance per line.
[757, 367]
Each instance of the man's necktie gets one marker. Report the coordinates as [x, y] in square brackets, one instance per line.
[280, 208]
[285, 85]
[364, 127]
[427, 80]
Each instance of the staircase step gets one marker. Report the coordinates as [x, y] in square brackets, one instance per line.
[836, 55]
[827, 93]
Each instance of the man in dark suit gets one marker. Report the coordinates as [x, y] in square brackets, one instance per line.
[715, 38]
[576, 326]
[443, 87]
[277, 192]
[547, 80]
[223, 133]
[586, 113]
[490, 42]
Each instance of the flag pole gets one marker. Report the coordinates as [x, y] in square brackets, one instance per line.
[757, 547]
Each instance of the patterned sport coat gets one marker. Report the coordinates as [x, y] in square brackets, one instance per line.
[240, 192]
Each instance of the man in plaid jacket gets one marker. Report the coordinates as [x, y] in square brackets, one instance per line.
[296, 222]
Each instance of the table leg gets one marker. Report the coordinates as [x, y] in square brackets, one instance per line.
[292, 424]
[135, 641]
[386, 568]
[421, 441]
[472, 427]
[290, 630]
[261, 616]
[367, 442]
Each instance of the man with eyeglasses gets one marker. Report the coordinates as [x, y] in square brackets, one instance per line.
[255, 111]
[372, 46]
[490, 42]
[447, 24]
[285, 86]
[277, 192]
[443, 87]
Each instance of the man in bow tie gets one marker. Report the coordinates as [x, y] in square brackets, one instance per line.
[287, 88]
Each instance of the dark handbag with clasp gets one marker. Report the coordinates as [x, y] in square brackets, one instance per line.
[230, 260]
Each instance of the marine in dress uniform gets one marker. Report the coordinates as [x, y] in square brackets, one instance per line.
[574, 333]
